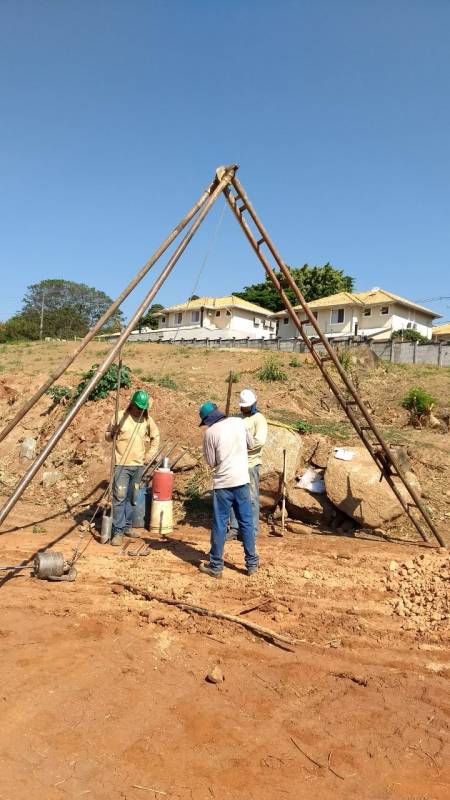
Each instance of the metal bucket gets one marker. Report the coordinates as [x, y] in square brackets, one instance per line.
[141, 511]
[49, 565]
[106, 531]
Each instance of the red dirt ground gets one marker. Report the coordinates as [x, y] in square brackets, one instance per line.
[104, 695]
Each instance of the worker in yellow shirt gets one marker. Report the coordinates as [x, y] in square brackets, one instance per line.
[256, 424]
[134, 429]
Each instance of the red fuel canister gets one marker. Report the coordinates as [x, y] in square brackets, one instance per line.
[162, 484]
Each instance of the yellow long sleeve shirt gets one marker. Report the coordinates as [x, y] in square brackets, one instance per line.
[256, 424]
[132, 439]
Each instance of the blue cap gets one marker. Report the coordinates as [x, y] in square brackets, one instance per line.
[205, 410]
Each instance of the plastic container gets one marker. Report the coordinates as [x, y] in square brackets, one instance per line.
[162, 484]
[161, 516]
[141, 509]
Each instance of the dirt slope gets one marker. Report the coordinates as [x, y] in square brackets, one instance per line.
[104, 695]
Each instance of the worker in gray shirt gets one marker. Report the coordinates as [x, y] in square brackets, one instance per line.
[225, 450]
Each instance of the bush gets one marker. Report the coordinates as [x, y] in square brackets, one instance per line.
[419, 403]
[107, 383]
[294, 362]
[59, 394]
[271, 371]
[409, 335]
[302, 426]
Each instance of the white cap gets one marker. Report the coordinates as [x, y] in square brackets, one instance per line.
[247, 398]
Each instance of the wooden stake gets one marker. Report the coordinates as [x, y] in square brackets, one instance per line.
[283, 496]
[230, 386]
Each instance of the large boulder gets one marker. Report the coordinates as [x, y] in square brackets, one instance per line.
[355, 487]
[309, 507]
[271, 473]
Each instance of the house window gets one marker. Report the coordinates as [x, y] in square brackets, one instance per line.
[217, 313]
[367, 312]
[228, 312]
[285, 320]
[337, 316]
[384, 310]
[178, 319]
[314, 313]
[163, 319]
[195, 316]
[409, 325]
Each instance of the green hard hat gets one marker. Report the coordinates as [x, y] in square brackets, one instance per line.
[206, 409]
[140, 399]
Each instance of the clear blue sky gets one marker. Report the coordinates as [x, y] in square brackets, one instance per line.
[115, 114]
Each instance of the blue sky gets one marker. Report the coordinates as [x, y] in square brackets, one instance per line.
[114, 116]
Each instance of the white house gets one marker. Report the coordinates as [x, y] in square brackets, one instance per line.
[215, 317]
[441, 333]
[375, 314]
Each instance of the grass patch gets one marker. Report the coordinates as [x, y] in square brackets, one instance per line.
[166, 382]
[336, 430]
[233, 377]
[271, 371]
[294, 362]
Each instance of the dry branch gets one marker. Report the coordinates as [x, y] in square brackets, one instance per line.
[265, 633]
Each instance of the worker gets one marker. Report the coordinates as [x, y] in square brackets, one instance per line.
[134, 428]
[225, 450]
[256, 424]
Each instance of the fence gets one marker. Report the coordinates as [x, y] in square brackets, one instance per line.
[435, 353]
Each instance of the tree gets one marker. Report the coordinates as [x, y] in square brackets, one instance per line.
[409, 335]
[69, 308]
[313, 282]
[148, 320]
[19, 327]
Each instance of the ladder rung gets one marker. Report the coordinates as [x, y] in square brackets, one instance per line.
[242, 208]
[325, 358]
[260, 242]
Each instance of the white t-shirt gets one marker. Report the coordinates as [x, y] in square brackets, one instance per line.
[225, 449]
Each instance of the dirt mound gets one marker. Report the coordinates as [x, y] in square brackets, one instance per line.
[421, 588]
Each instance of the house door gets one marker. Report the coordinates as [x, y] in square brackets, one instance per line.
[356, 329]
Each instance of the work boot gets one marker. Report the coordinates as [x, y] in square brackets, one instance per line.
[132, 534]
[208, 570]
[252, 570]
[117, 540]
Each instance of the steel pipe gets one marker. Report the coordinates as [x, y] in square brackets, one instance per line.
[56, 436]
[108, 314]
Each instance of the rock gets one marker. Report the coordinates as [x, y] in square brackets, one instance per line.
[186, 463]
[309, 507]
[322, 452]
[355, 487]
[215, 675]
[307, 574]
[50, 478]
[117, 589]
[28, 448]
[279, 438]
[393, 566]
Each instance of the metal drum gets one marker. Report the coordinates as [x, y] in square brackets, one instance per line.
[49, 565]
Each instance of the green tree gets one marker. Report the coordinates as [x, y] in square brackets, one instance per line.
[69, 308]
[313, 282]
[19, 327]
[148, 319]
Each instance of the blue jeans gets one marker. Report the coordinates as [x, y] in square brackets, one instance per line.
[254, 497]
[238, 499]
[123, 489]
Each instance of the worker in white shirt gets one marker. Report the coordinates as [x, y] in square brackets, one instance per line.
[256, 424]
[225, 447]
